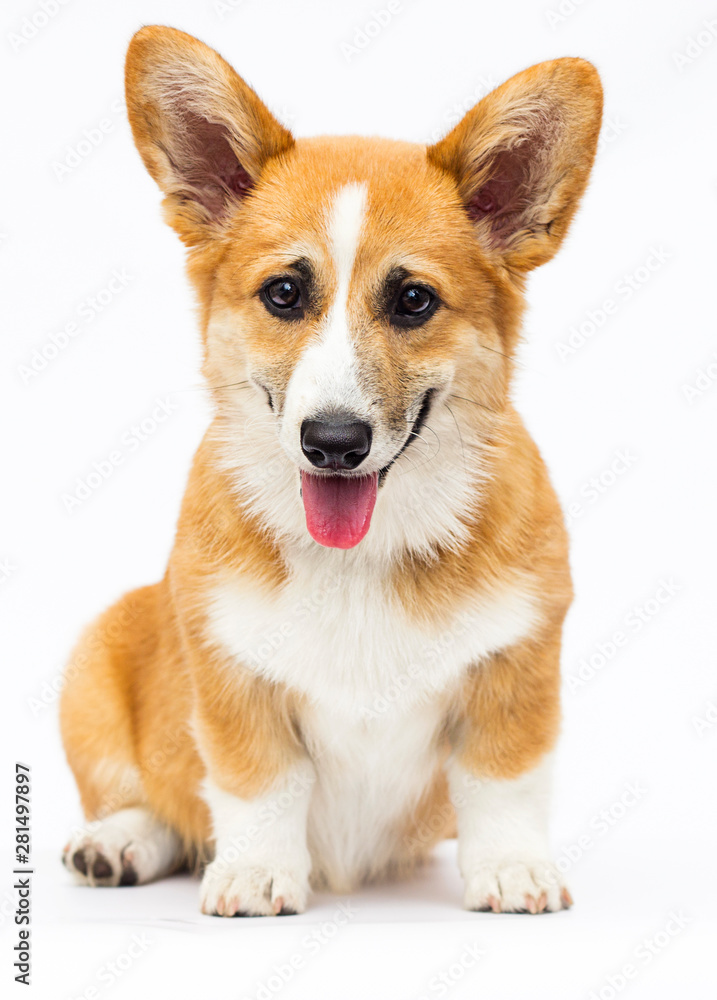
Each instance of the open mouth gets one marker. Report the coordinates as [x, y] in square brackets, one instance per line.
[339, 507]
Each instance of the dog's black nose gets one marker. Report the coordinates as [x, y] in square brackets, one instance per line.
[332, 445]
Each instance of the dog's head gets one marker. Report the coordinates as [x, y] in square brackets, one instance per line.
[360, 298]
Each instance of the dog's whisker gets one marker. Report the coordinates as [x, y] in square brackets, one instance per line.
[213, 388]
[419, 437]
[460, 436]
[230, 385]
[508, 357]
[494, 350]
[475, 402]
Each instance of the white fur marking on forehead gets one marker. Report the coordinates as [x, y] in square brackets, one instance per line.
[326, 377]
[345, 223]
[337, 352]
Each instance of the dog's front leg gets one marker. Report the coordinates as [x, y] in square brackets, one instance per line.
[258, 788]
[500, 781]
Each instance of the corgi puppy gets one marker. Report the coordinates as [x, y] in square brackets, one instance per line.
[355, 649]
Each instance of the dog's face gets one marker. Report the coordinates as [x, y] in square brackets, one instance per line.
[356, 293]
[349, 296]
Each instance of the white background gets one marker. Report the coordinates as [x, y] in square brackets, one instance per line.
[642, 719]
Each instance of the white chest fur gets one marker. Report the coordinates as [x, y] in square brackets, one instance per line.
[376, 688]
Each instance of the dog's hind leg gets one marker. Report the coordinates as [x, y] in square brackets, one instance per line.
[130, 847]
[123, 842]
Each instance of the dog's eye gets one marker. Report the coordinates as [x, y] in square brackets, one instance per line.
[415, 304]
[282, 296]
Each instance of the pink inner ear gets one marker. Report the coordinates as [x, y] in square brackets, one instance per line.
[504, 198]
[209, 165]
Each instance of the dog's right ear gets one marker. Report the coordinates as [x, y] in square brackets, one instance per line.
[202, 132]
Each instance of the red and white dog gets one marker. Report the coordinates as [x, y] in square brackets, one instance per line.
[355, 649]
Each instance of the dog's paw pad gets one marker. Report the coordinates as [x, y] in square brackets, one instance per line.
[78, 862]
[252, 891]
[129, 872]
[100, 860]
[93, 863]
[101, 868]
[516, 886]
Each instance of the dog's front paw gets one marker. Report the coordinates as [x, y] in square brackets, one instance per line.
[252, 890]
[516, 885]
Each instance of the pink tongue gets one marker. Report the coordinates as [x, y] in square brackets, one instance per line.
[338, 508]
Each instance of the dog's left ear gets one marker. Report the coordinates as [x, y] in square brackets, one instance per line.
[202, 132]
[522, 156]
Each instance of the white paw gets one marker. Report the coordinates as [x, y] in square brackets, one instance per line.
[129, 847]
[252, 890]
[103, 857]
[516, 885]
